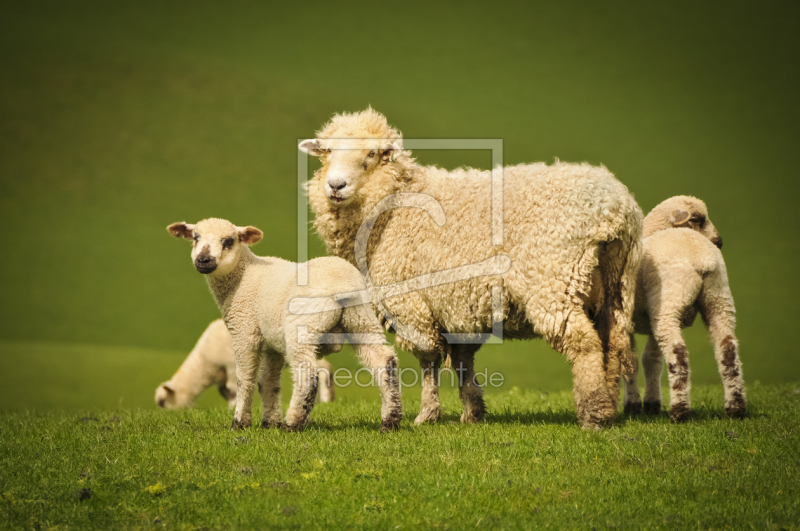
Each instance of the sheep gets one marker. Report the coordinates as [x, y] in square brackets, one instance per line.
[211, 362]
[565, 269]
[683, 273]
[254, 293]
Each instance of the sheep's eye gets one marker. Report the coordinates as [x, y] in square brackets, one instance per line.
[196, 237]
[371, 154]
[700, 220]
[227, 243]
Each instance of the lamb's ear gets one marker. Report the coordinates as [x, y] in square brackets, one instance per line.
[181, 230]
[250, 235]
[168, 388]
[390, 150]
[679, 218]
[312, 146]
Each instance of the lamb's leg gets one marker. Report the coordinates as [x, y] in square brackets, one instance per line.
[653, 364]
[469, 391]
[304, 375]
[668, 334]
[720, 319]
[581, 344]
[247, 365]
[381, 360]
[633, 400]
[325, 373]
[270, 388]
[430, 409]
[231, 386]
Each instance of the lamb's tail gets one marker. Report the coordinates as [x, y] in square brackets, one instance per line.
[619, 263]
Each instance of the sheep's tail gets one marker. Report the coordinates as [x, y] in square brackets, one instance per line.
[619, 263]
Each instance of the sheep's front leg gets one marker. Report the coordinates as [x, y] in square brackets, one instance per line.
[653, 364]
[430, 408]
[633, 400]
[471, 394]
[670, 341]
[247, 365]
[270, 387]
[304, 375]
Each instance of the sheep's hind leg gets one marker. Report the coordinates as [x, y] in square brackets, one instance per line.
[304, 375]
[382, 362]
[247, 365]
[430, 408]
[469, 391]
[270, 388]
[325, 373]
[653, 364]
[633, 400]
[581, 344]
[726, 351]
[668, 334]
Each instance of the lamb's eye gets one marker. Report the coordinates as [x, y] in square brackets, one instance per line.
[700, 220]
[227, 243]
[371, 154]
[196, 237]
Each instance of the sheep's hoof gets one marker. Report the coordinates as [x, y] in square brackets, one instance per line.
[736, 412]
[680, 413]
[292, 428]
[389, 425]
[238, 425]
[267, 424]
[428, 416]
[633, 408]
[652, 408]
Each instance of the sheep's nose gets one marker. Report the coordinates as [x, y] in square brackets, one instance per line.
[203, 259]
[717, 241]
[336, 184]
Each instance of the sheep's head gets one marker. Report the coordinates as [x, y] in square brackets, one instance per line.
[682, 211]
[217, 244]
[352, 147]
[168, 398]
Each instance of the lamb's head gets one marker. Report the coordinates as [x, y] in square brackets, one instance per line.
[682, 211]
[167, 397]
[353, 149]
[217, 244]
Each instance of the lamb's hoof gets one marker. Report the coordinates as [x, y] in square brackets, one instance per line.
[736, 412]
[652, 408]
[388, 426]
[633, 408]
[680, 413]
[473, 417]
[428, 416]
[596, 425]
[267, 424]
[238, 425]
[292, 428]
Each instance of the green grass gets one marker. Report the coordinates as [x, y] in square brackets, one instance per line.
[529, 466]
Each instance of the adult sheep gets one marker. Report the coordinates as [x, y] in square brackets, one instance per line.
[565, 270]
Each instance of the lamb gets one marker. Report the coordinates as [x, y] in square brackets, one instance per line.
[564, 270]
[254, 294]
[682, 273]
[211, 362]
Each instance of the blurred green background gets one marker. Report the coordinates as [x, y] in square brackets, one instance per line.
[117, 119]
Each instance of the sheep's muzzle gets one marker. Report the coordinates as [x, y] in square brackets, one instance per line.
[205, 263]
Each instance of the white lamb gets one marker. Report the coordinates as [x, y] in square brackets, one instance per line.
[563, 267]
[254, 294]
[683, 273]
[211, 362]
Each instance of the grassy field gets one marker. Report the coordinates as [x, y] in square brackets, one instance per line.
[529, 466]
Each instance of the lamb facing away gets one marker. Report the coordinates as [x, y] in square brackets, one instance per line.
[565, 269]
[211, 362]
[683, 272]
[253, 293]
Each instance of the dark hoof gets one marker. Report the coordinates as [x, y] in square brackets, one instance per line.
[736, 412]
[267, 425]
[238, 425]
[679, 414]
[389, 426]
[633, 408]
[292, 429]
[652, 408]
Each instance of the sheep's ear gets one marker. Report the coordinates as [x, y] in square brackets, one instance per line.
[390, 150]
[250, 235]
[181, 230]
[679, 218]
[312, 146]
[168, 389]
